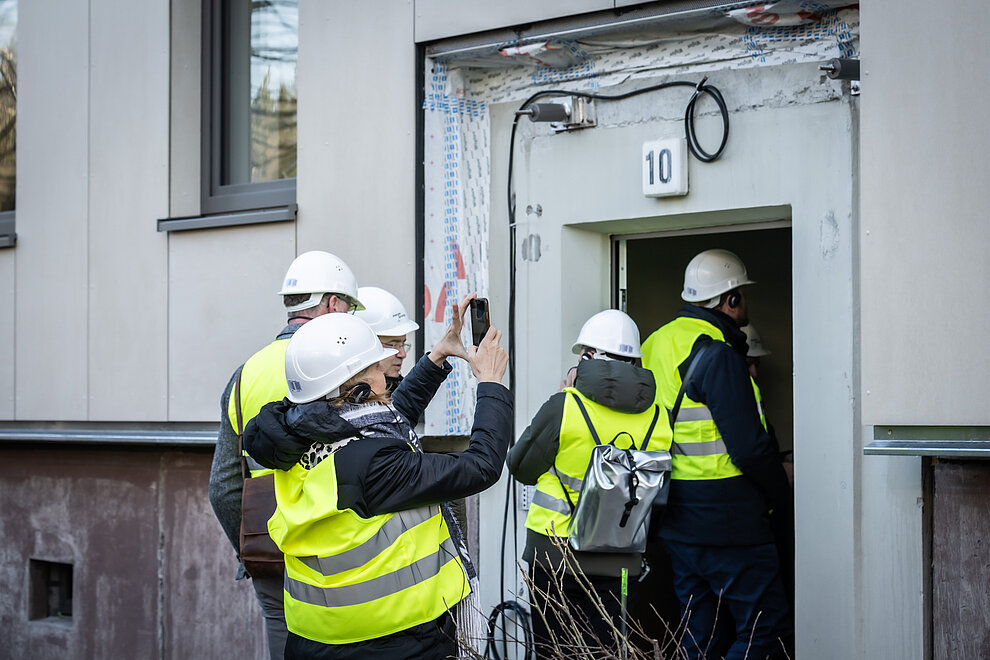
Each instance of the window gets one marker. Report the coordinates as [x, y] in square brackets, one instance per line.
[8, 120]
[249, 89]
[51, 590]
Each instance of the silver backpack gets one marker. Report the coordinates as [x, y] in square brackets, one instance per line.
[620, 489]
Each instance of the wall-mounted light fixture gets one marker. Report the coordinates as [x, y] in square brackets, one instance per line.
[841, 69]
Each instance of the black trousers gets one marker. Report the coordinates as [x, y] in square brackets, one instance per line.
[434, 640]
[565, 605]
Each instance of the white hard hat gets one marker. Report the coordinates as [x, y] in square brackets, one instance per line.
[754, 342]
[384, 313]
[612, 332]
[712, 273]
[317, 273]
[324, 354]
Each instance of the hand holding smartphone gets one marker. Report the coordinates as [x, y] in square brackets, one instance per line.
[480, 320]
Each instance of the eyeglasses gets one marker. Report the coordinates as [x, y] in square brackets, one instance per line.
[397, 345]
[352, 305]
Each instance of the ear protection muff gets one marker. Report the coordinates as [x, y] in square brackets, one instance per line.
[359, 393]
[734, 299]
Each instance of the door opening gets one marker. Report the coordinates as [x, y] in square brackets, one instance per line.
[647, 278]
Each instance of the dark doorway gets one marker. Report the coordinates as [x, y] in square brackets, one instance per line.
[649, 278]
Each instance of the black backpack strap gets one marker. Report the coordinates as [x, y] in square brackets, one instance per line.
[587, 419]
[653, 424]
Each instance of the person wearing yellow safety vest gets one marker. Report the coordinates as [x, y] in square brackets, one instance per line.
[375, 561]
[554, 453]
[387, 317]
[316, 283]
[726, 478]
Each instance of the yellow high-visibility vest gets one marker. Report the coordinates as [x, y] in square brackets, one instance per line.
[262, 381]
[700, 452]
[550, 511]
[350, 579]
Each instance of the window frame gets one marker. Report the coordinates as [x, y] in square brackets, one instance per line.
[217, 198]
[8, 227]
[8, 224]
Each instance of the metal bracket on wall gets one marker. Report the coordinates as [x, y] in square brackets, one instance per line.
[580, 112]
[942, 441]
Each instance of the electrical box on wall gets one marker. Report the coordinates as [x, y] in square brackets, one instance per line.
[665, 168]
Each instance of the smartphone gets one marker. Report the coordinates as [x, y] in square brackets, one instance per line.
[480, 321]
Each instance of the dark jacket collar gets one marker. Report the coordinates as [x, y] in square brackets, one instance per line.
[288, 331]
[733, 335]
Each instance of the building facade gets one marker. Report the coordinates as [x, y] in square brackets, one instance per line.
[174, 156]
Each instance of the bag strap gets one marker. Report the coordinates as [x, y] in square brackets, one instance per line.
[240, 424]
[587, 419]
[653, 424]
[594, 435]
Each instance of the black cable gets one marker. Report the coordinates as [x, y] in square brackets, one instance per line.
[508, 605]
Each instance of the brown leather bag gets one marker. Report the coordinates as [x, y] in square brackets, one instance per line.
[259, 554]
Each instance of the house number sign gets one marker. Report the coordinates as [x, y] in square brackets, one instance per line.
[665, 168]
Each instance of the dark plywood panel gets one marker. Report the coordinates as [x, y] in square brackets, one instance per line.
[95, 510]
[961, 561]
[153, 574]
[207, 613]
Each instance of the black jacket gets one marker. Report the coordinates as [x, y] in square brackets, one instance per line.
[618, 385]
[380, 474]
[733, 511]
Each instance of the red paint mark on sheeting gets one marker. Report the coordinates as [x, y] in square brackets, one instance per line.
[441, 303]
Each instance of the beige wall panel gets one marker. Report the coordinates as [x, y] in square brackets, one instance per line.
[186, 129]
[222, 308]
[52, 220]
[924, 201]
[8, 281]
[437, 19]
[357, 125]
[129, 87]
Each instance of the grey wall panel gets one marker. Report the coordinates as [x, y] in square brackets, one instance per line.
[129, 88]
[437, 19]
[52, 202]
[924, 233]
[356, 184]
[185, 109]
[222, 308]
[8, 281]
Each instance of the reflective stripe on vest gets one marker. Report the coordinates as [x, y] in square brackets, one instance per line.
[262, 381]
[700, 452]
[350, 579]
[379, 587]
[550, 512]
[361, 554]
